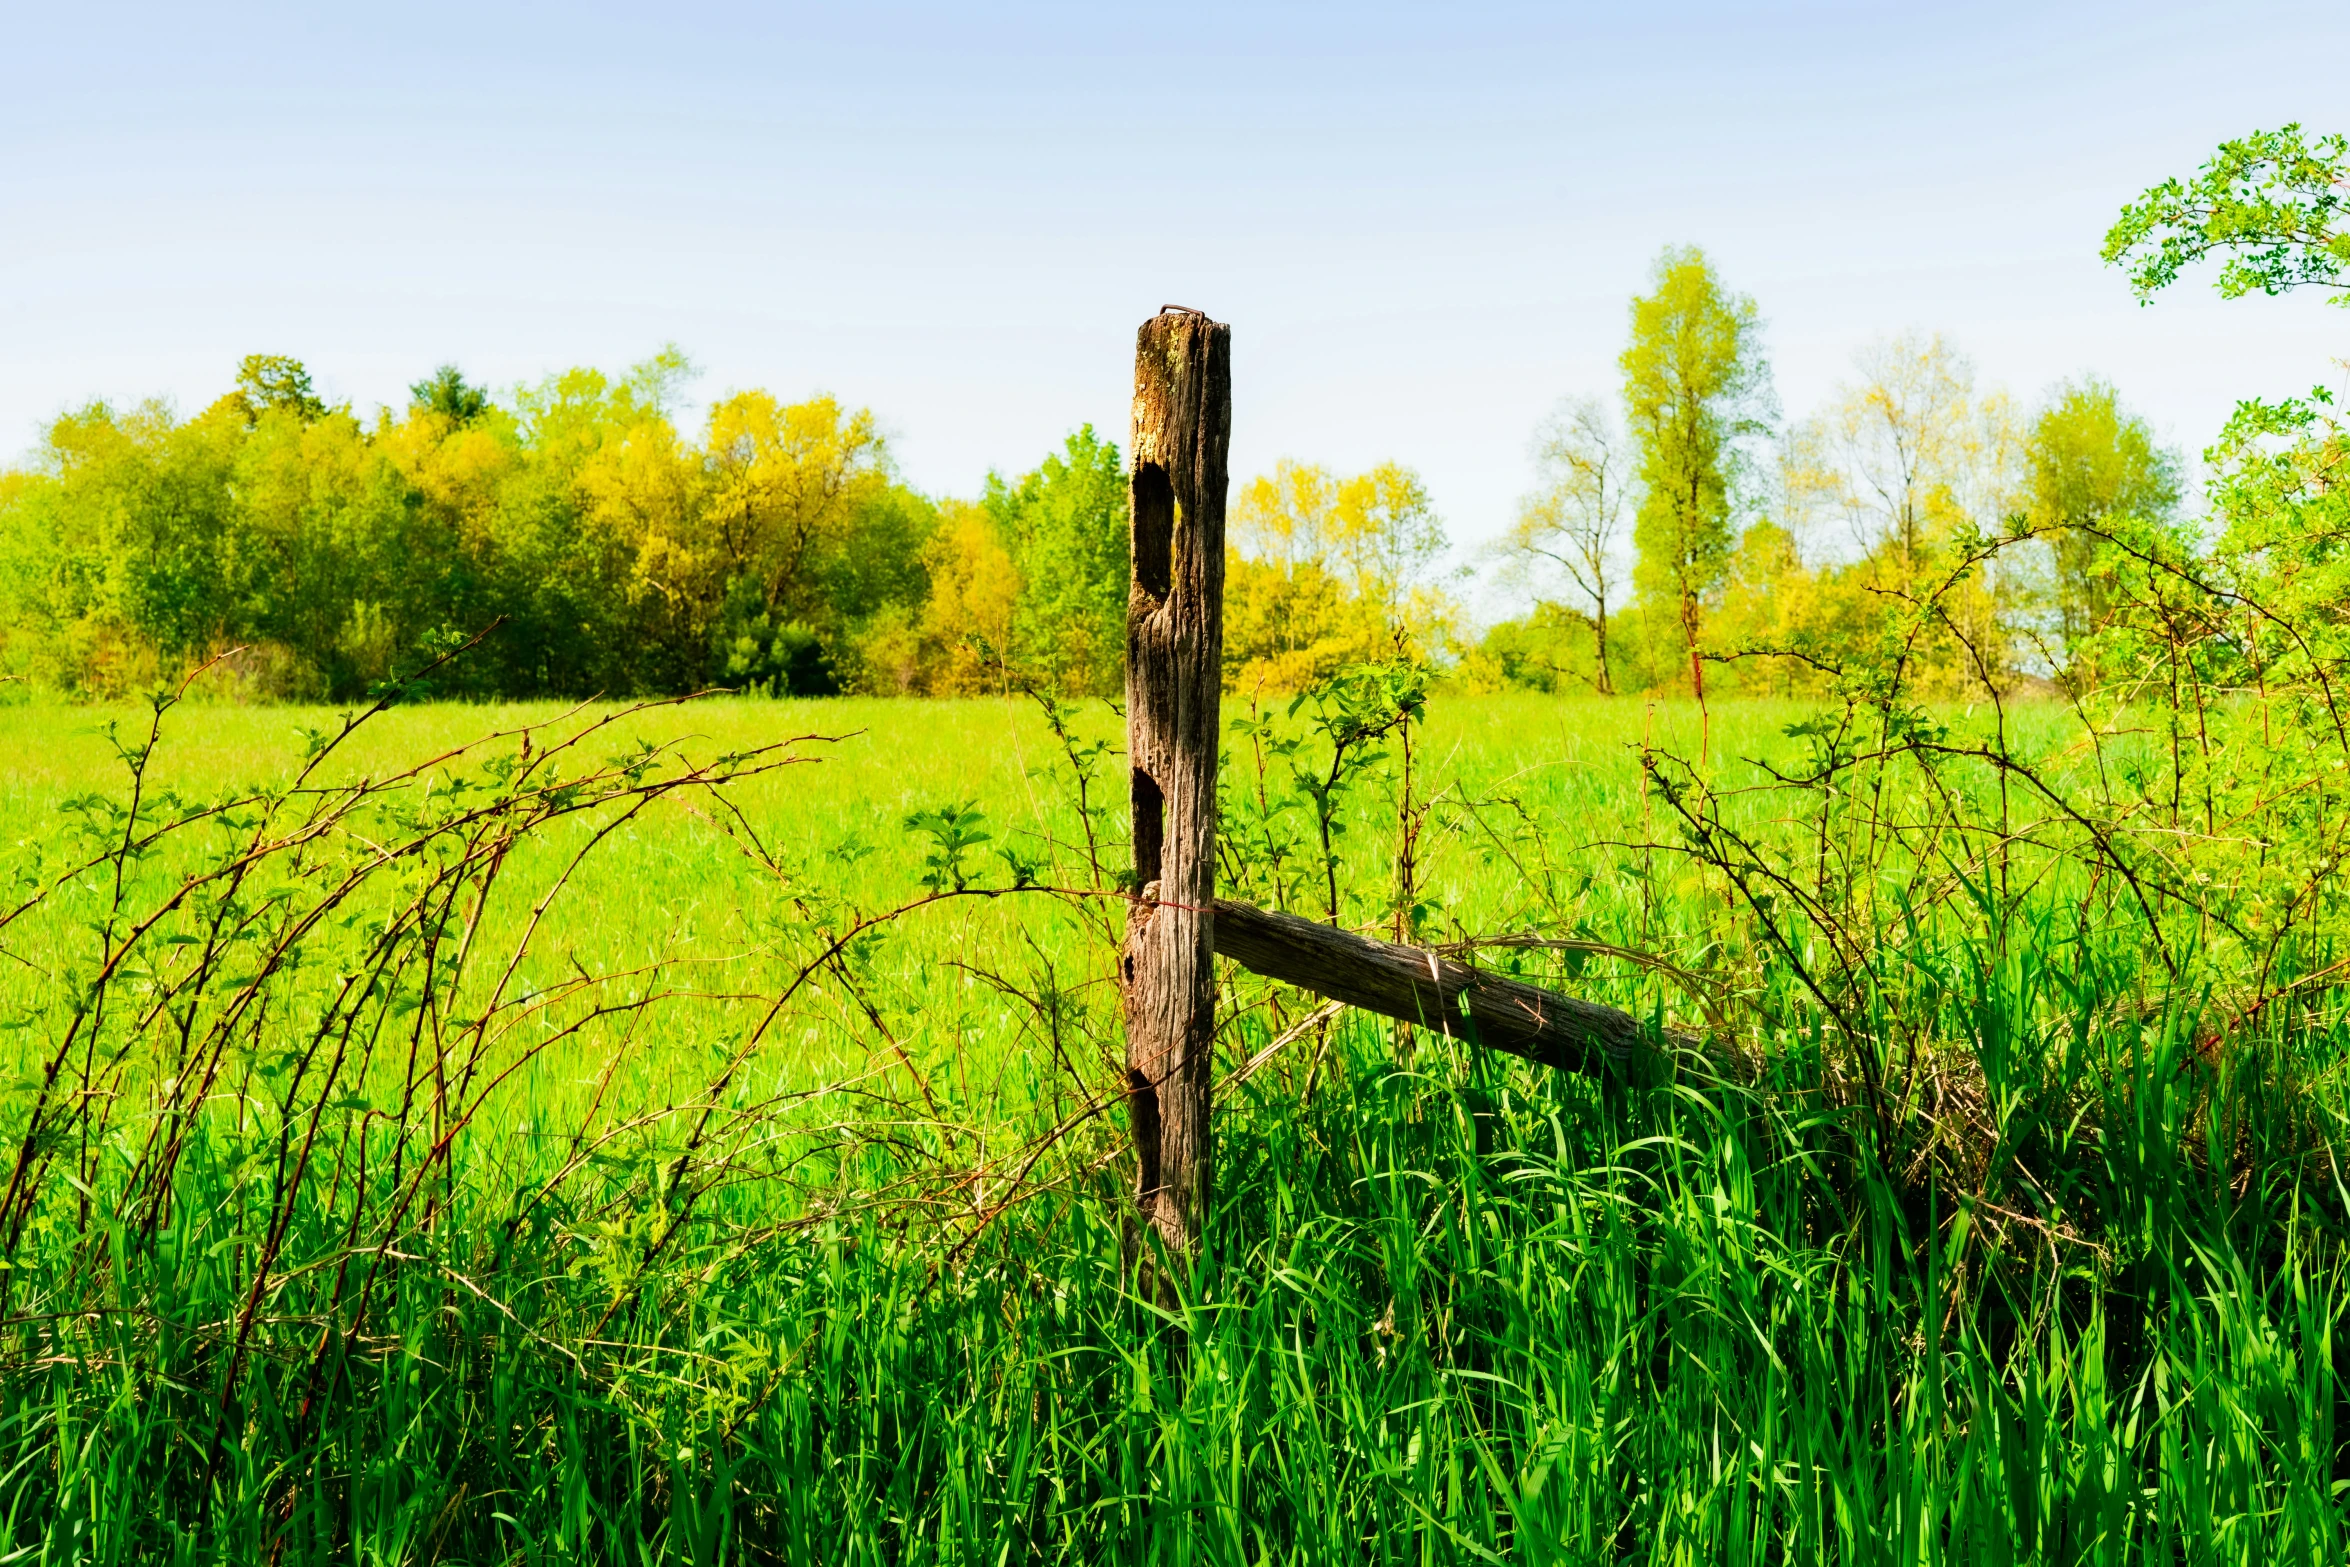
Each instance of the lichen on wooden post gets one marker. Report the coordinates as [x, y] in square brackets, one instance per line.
[1174, 679]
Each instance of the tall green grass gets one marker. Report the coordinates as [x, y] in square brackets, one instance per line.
[680, 1194]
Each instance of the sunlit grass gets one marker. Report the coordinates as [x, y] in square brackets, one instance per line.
[1452, 1307]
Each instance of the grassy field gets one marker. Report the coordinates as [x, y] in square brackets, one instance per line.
[488, 1139]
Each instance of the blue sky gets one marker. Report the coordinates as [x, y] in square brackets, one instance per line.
[1422, 222]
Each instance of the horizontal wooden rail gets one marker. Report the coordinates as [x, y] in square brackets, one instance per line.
[1423, 987]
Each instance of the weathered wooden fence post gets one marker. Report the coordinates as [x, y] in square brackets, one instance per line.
[1174, 679]
[1178, 926]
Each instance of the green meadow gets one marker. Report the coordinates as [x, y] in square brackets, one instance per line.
[690, 1134]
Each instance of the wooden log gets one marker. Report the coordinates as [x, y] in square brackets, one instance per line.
[1436, 992]
[1174, 683]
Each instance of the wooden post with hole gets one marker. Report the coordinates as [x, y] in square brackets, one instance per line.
[1174, 680]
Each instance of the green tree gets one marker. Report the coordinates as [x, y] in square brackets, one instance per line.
[268, 381]
[2276, 204]
[2088, 463]
[346, 573]
[1065, 524]
[124, 545]
[1696, 390]
[1548, 649]
[446, 393]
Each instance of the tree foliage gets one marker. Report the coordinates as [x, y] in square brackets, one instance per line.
[1906, 454]
[1915, 523]
[2273, 203]
[2092, 464]
[776, 550]
[1697, 391]
[1327, 571]
[1063, 526]
[611, 554]
[1917, 533]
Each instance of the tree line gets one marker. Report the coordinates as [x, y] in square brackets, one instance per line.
[777, 550]
[1684, 537]
[1923, 535]
[1764, 555]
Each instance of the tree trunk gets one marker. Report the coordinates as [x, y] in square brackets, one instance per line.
[1174, 681]
[1607, 681]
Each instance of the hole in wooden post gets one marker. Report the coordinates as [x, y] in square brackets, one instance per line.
[1142, 1102]
[1150, 828]
[1154, 530]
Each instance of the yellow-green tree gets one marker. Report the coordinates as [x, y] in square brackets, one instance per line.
[789, 484]
[804, 516]
[599, 553]
[968, 618]
[1907, 450]
[1326, 571]
[2091, 463]
[1697, 390]
[1912, 466]
[1769, 614]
